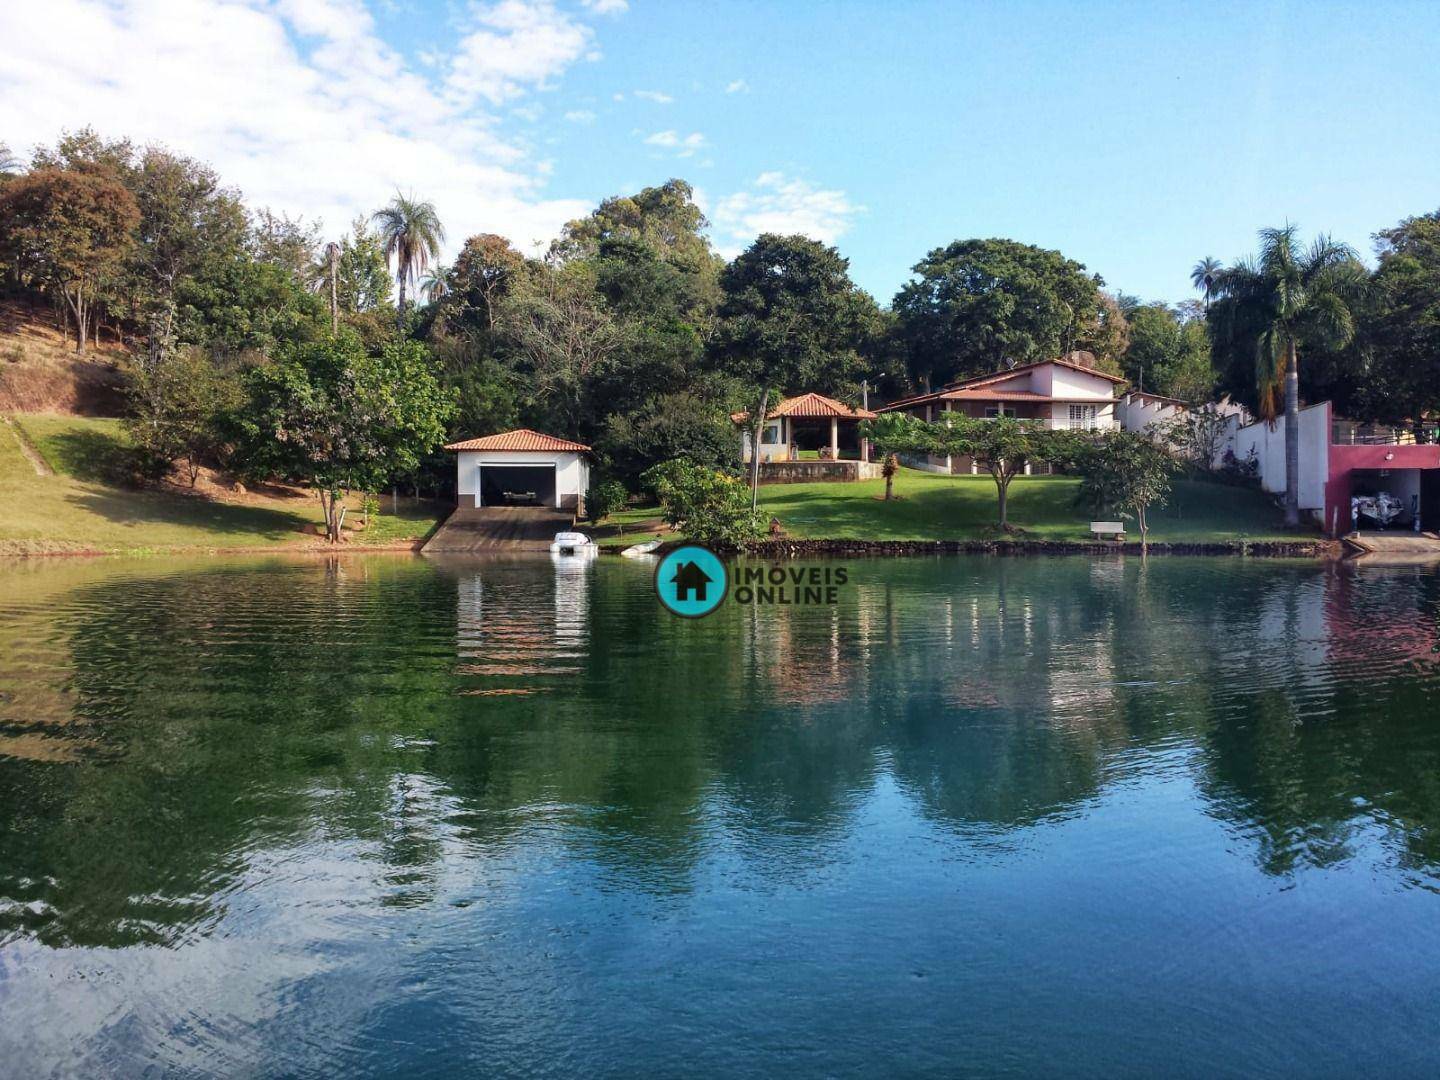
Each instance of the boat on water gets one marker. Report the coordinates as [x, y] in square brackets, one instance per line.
[572, 543]
[637, 550]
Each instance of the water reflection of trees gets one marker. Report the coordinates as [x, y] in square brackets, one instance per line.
[451, 715]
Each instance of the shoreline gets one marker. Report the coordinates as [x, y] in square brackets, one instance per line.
[1317, 548]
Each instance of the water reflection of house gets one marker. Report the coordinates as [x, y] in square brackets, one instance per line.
[514, 621]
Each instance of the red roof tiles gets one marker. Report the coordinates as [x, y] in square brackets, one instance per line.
[811, 407]
[518, 441]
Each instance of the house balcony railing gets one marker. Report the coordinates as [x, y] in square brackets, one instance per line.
[1353, 433]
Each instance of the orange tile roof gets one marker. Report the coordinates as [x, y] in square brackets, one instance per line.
[969, 389]
[811, 407]
[517, 441]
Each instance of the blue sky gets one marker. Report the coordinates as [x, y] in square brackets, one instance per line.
[1132, 137]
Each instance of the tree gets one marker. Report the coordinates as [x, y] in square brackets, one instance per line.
[331, 278]
[363, 281]
[9, 163]
[1205, 275]
[485, 272]
[340, 418]
[1125, 472]
[1293, 295]
[1401, 331]
[978, 304]
[71, 231]
[190, 226]
[436, 284]
[707, 505]
[789, 319]
[411, 234]
[285, 242]
[560, 333]
[892, 434]
[1167, 354]
[605, 498]
[178, 409]
[1002, 446]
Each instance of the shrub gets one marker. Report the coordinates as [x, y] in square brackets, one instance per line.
[605, 498]
[707, 505]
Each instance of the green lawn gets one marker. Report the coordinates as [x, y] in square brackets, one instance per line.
[79, 509]
[934, 507]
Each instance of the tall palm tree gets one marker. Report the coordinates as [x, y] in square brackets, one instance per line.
[412, 234]
[1292, 295]
[1203, 276]
[332, 273]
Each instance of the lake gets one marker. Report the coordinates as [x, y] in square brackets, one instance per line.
[989, 816]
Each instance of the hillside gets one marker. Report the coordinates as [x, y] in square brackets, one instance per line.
[59, 498]
[40, 372]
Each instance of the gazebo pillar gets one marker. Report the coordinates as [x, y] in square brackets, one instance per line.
[834, 439]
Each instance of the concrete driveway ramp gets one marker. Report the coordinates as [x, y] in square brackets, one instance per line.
[1398, 543]
[497, 529]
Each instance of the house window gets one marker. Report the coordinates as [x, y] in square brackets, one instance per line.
[992, 411]
[1082, 417]
[770, 435]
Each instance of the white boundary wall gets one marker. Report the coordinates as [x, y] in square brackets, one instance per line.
[1265, 442]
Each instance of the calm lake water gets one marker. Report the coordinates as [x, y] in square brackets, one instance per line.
[390, 816]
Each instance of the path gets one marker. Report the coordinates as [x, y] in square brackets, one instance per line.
[32, 455]
[499, 528]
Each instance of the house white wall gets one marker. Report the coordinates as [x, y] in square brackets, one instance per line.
[1265, 442]
[572, 471]
[774, 446]
[1069, 383]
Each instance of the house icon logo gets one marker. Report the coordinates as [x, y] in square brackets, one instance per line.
[691, 581]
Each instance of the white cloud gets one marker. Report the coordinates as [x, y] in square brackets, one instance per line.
[657, 96]
[607, 7]
[296, 102]
[515, 46]
[777, 203]
[580, 116]
[683, 145]
[739, 86]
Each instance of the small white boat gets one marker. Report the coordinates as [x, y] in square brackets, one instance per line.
[641, 549]
[572, 543]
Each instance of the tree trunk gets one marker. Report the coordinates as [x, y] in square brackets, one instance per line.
[889, 485]
[1292, 438]
[400, 311]
[757, 427]
[1002, 485]
[334, 302]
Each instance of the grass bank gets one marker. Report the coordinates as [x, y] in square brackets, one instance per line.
[935, 508]
[67, 503]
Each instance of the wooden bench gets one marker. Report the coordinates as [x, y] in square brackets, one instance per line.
[1108, 530]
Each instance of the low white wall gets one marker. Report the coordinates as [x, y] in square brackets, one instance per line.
[1266, 442]
[572, 471]
[1137, 412]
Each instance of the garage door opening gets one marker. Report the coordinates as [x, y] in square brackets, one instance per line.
[517, 485]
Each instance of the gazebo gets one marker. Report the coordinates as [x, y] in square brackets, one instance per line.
[805, 423]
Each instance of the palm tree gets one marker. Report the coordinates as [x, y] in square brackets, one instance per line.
[412, 234]
[1292, 295]
[435, 284]
[1203, 276]
[332, 272]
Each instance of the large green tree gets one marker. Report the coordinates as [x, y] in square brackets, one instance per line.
[790, 320]
[71, 231]
[411, 234]
[1401, 327]
[1168, 354]
[341, 418]
[1290, 296]
[976, 304]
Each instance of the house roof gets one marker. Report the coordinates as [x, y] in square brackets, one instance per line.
[810, 407]
[1145, 395]
[973, 389]
[518, 441]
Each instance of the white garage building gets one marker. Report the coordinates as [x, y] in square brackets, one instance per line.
[521, 468]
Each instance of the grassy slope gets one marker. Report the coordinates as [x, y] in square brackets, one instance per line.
[77, 510]
[934, 507]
